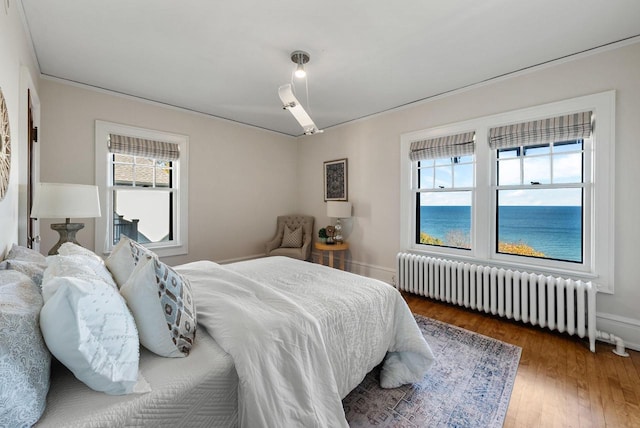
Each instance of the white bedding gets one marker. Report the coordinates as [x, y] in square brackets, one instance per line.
[345, 325]
[197, 391]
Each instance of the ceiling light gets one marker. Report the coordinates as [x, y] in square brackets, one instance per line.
[289, 100]
[300, 58]
[291, 103]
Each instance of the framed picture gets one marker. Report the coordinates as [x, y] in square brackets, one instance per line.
[335, 180]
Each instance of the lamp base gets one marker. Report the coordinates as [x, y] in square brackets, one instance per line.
[67, 233]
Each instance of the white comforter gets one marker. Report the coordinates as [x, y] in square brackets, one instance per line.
[302, 336]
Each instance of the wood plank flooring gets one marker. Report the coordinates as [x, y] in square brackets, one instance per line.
[559, 383]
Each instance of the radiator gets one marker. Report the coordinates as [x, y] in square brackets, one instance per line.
[561, 304]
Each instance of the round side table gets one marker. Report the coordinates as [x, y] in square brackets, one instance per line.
[331, 248]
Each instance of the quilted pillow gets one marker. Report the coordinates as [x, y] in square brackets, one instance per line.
[71, 249]
[88, 328]
[27, 261]
[292, 238]
[162, 304]
[75, 266]
[124, 258]
[25, 361]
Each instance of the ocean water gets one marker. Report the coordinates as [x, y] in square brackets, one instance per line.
[554, 230]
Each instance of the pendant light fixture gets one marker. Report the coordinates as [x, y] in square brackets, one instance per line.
[289, 100]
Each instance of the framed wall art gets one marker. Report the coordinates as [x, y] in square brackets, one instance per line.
[335, 180]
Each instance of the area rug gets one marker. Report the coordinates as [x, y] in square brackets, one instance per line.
[469, 385]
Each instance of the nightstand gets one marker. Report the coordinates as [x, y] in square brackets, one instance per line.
[331, 248]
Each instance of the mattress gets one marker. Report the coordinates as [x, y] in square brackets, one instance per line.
[197, 391]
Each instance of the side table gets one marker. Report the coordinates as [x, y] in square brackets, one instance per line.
[331, 248]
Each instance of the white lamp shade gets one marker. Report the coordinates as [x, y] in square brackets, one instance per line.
[338, 209]
[57, 200]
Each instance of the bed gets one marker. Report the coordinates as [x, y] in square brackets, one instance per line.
[279, 343]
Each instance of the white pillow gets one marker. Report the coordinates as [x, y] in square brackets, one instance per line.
[162, 304]
[75, 266]
[124, 258]
[71, 249]
[87, 326]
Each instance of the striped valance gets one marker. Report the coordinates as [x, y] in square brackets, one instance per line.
[562, 128]
[443, 147]
[160, 150]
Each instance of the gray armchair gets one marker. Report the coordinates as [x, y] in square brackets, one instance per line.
[275, 248]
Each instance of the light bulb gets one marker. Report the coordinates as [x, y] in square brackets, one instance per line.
[300, 73]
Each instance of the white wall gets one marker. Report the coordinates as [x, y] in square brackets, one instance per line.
[240, 178]
[372, 146]
[16, 60]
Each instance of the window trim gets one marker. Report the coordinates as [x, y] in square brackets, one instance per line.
[180, 244]
[599, 193]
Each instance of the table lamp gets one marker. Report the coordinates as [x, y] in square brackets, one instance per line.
[338, 210]
[57, 200]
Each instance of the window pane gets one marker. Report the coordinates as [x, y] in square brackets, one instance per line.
[509, 172]
[426, 178]
[537, 169]
[123, 174]
[508, 153]
[443, 177]
[143, 161]
[442, 161]
[144, 176]
[542, 223]
[151, 208]
[463, 175]
[543, 149]
[444, 219]
[567, 146]
[122, 158]
[567, 168]
[163, 176]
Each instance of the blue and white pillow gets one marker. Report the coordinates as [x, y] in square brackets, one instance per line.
[162, 304]
[25, 361]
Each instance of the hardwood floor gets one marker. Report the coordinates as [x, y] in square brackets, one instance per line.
[560, 383]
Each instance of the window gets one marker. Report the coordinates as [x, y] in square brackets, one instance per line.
[539, 201]
[536, 193]
[143, 187]
[444, 190]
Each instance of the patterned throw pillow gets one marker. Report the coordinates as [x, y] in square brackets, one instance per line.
[292, 238]
[25, 361]
[123, 259]
[162, 304]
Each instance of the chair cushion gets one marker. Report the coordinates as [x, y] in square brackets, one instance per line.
[292, 238]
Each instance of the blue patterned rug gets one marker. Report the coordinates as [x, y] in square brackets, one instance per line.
[468, 386]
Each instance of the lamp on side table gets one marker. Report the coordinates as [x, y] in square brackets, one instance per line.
[57, 200]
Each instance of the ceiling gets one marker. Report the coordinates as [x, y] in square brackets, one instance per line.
[228, 58]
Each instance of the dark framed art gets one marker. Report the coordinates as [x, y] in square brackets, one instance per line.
[335, 180]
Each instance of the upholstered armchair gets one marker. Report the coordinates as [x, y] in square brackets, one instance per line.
[293, 237]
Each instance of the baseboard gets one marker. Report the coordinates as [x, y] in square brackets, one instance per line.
[626, 328]
[372, 271]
